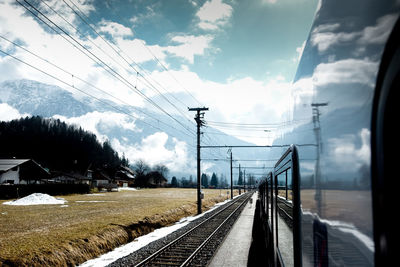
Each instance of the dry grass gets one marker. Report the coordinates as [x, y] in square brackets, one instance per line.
[56, 235]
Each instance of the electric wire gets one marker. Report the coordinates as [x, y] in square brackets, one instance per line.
[86, 20]
[91, 85]
[74, 87]
[110, 57]
[104, 65]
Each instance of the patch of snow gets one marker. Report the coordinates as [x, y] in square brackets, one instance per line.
[126, 189]
[36, 199]
[144, 240]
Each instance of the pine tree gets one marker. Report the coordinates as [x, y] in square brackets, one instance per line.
[56, 145]
[204, 180]
[174, 182]
[214, 180]
[240, 180]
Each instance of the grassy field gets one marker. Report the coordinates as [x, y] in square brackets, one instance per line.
[89, 225]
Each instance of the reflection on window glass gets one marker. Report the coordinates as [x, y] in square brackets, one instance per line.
[282, 185]
[289, 185]
[270, 198]
[285, 216]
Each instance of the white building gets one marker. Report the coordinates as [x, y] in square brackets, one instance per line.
[21, 171]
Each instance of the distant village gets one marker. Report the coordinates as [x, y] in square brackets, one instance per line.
[28, 171]
[49, 156]
[38, 151]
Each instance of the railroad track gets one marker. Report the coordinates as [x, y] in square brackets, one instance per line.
[196, 247]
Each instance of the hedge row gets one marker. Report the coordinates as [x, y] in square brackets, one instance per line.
[18, 191]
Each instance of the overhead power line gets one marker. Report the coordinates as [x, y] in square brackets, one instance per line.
[119, 52]
[96, 59]
[74, 87]
[90, 84]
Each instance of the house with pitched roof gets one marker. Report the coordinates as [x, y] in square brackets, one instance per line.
[21, 171]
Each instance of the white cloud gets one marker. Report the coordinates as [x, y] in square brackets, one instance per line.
[153, 150]
[137, 51]
[94, 121]
[189, 46]
[331, 81]
[114, 29]
[230, 101]
[378, 33]
[8, 113]
[303, 90]
[65, 15]
[184, 46]
[214, 14]
[344, 153]
[346, 71]
[323, 36]
[327, 35]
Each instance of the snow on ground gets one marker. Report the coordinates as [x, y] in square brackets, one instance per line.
[36, 199]
[142, 241]
[126, 189]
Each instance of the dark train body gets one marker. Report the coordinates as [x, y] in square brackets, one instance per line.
[331, 199]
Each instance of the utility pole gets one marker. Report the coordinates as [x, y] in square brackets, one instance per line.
[231, 176]
[240, 189]
[198, 118]
[317, 131]
[244, 180]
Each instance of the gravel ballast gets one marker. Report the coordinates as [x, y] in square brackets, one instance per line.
[141, 254]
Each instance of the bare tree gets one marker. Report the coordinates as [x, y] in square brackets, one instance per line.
[141, 168]
[162, 169]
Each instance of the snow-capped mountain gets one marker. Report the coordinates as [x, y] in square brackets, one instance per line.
[37, 98]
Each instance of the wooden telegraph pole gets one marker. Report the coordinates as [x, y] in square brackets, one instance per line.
[198, 118]
[231, 176]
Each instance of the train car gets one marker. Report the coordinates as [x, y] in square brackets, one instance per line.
[331, 199]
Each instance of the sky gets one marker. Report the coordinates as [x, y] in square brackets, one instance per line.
[238, 58]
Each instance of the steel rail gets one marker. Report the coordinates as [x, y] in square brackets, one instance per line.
[191, 257]
[175, 241]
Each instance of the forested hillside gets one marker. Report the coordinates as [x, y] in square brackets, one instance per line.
[56, 145]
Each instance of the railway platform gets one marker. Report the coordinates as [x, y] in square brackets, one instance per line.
[234, 251]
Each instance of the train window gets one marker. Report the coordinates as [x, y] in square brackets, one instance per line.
[286, 206]
[289, 187]
[269, 192]
[284, 220]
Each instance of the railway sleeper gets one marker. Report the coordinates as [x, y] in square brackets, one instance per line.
[171, 259]
[162, 263]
